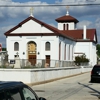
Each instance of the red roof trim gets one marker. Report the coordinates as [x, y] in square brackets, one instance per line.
[70, 34]
[24, 21]
[55, 30]
[33, 34]
[86, 41]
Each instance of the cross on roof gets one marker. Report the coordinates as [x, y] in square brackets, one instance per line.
[31, 11]
[67, 10]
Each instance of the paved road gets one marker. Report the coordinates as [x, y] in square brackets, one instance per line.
[73, 88]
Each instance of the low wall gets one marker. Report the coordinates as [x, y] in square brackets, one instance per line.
[37, 76]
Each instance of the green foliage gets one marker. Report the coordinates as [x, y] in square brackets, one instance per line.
[98, 49]
[3, 49]
[81, 59]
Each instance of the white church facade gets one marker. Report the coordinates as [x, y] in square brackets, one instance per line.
[33, 39]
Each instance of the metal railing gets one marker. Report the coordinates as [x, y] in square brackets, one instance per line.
[31, 63]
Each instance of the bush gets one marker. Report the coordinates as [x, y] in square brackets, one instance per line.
[81, 59]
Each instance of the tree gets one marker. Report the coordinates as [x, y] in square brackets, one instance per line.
[3, 49]
[98, 50]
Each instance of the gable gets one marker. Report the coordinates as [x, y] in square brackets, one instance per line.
[31, 27]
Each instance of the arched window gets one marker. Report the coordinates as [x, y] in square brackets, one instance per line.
[59, 50]
[47, 46]
[67, 27]
[16, 46]
[65, 53]
[63, 26]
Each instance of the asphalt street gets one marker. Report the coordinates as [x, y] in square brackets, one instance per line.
[72, 88]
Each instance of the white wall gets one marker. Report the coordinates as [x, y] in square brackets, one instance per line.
[54, 41]
[40, 42]
[89, 49]
[31, 27]
[71, 25]
[69, 44]
[34, 76]
[94, 55]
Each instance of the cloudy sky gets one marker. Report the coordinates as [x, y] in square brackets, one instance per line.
[11, 16]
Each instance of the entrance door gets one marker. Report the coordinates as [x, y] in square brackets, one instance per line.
[31, 46]
[32, 59]
[48, 59]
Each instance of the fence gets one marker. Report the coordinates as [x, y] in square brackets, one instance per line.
[31, 63]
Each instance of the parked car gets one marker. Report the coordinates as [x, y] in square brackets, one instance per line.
[95, 73]
[17, 91]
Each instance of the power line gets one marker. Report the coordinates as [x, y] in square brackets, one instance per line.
[53, 5]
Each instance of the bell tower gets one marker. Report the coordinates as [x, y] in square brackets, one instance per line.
[67, 22]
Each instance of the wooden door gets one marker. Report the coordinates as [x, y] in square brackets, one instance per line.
[32, 59]
[48, 59]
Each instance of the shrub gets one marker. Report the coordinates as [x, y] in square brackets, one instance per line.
[81, 59]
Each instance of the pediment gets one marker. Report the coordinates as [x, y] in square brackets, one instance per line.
[31, 27]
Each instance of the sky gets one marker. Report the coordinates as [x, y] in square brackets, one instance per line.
[11, 16]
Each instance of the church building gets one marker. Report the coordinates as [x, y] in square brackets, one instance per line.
[35, 40]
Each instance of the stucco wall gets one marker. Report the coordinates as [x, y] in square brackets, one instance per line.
[89, 49]
[69, 45]
[31, 26]
[40, 42]
[35, 76]
[71, 25]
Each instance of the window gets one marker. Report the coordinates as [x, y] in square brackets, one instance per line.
[63, 26]
[72, 52]
[32, 47]
[16, 46]
[59, 50]
[13, 94]
[47, 46]
[2, 96]
[28, 94]
[67, 27]
[65, 53]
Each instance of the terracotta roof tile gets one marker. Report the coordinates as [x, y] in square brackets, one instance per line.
[74, 35]
[78, 34]
[67, 18]
[55, 30]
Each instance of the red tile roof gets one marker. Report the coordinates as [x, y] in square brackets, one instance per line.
[75, 35]
[67, 18]
[78, 34]
[55, 30]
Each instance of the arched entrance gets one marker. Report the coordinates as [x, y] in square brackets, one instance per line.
[32, 52]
